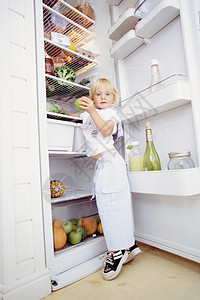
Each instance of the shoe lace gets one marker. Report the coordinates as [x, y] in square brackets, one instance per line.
[108, 259]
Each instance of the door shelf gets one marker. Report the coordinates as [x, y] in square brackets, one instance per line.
[145, 104]
[183, 182]
[127, 44]
[60, 89]
[125, 23]
[157, 18]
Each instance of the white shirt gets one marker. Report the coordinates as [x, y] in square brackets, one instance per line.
[95, 141]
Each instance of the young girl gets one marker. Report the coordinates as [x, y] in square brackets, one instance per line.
[101, 127]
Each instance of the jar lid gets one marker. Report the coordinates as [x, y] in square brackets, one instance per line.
[179, 153]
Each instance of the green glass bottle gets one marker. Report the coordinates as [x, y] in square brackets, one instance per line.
[151, 158]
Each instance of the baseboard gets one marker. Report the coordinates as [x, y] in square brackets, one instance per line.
[33, 287]
[181, 250]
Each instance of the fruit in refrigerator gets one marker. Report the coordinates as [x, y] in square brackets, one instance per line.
[75, 237]
[57, 223]
[77, 104]
[67, 226]
[83, 232]
[74, 222]
[89, 223]
[100, 228]
[59, 238]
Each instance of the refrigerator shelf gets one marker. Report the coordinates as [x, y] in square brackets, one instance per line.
[63, 117]
[65, 19]
[71, 193]
[183, 182]
[157, 18]
[126, 22]
[59, 89]
[65, 154]
[144, 104]
[61, 55]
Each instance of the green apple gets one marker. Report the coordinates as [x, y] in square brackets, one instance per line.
[77, 104]
[83, 232]
[67, 226]
[74, 223]
[74, 237]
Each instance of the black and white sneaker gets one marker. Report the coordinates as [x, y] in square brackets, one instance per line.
[132, 252]
[113, 264]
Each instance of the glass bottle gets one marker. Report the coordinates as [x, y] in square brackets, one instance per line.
[136, 160]
[151, 158]
[155, 75]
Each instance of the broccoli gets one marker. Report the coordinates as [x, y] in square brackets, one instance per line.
[51, 107]
[65, 73]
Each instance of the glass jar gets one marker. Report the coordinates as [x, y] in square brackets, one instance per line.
[180, 160]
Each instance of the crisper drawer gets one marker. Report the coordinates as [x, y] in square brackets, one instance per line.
[60, 135]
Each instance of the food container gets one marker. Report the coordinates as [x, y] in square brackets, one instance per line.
[49, 66]
[180, 160]
[60, 135]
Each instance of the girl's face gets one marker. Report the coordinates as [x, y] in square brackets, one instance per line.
[102, 97]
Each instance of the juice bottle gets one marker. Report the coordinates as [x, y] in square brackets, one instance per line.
[136, 160]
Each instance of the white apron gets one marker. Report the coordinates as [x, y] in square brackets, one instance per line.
[113, 199]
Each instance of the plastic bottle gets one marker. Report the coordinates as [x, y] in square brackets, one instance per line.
[136, 160]
[151, 158]
[155, 75]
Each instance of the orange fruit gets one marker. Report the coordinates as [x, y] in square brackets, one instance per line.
[59, 238]
[57, 223]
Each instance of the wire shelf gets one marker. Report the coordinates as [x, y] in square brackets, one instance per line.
[61, 55]
[59, 89]
[65, 19]
[71, 193]
[63, 117]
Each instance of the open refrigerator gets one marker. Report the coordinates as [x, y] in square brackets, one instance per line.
[134, 32]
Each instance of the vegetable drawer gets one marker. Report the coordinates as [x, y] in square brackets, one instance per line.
[60, 135]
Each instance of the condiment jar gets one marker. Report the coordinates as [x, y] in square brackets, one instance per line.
[180, 160]
[49, 66]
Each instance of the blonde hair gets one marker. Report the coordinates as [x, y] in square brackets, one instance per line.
[109, 85]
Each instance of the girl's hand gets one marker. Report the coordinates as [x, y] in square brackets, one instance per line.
[87, 104]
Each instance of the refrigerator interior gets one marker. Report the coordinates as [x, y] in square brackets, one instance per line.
[68, 36]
